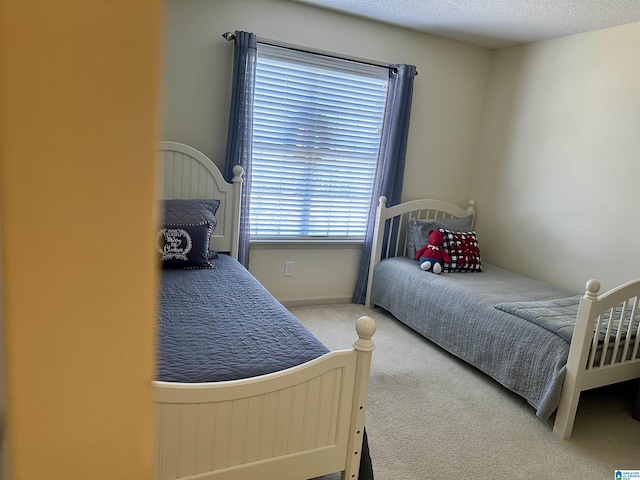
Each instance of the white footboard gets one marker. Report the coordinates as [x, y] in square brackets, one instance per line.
[298, 423]
[592, 364]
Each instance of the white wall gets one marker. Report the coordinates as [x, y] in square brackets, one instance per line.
[447, 108]
[559, 162]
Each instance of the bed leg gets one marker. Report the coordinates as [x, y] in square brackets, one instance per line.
[566, 414]
[366, 327]
[635, 411]
[349, 474]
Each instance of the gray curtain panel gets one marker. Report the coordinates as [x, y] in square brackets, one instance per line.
[390, 172]
[240, 133]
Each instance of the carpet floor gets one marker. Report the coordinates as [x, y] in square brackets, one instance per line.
[432, 416]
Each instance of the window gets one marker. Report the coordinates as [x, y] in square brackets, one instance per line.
[316, 137]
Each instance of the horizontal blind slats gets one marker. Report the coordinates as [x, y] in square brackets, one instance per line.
[316, 137]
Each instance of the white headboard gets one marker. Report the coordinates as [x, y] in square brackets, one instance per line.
[188, 173]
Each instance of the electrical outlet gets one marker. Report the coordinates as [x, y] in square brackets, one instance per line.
[288, 269]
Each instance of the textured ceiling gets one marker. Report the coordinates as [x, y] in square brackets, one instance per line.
[493, 23]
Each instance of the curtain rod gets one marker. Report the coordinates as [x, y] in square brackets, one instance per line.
[230, 36]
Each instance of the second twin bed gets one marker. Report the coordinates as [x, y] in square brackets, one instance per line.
[540, 341]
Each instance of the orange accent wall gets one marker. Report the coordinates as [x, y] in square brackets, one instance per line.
[79, 88]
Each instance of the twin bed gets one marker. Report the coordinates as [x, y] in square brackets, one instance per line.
[542, 342]
[243, 389]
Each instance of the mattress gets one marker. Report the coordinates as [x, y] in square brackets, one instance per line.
[457, 312]
[222, 324]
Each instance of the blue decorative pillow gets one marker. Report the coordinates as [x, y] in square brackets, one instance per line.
[191, 211]
[184, 245]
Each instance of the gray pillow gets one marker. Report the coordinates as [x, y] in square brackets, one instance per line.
[190, 211]
[418, 230]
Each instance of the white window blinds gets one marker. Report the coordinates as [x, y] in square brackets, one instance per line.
[316, 137]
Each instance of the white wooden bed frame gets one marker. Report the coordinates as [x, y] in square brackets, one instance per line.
[295, 424]
[188, 173]
[616, 363]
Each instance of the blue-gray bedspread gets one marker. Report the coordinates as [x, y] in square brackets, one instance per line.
[222, 324]
[457, 312]
[557, 315]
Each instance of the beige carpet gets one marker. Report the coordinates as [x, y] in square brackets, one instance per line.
[431, 416]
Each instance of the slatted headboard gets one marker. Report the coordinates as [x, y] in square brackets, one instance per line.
[188, 173]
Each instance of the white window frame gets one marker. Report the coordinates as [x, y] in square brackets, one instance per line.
[324, 151]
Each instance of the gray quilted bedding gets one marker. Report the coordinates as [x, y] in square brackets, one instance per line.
[557, 315]
[457, 312]
[222, 324]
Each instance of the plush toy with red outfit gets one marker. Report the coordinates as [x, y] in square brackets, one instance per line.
[432, 256]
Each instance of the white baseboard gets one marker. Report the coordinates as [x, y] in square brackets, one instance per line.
[306, 302]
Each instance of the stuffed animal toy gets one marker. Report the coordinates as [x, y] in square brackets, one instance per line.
[432, 256]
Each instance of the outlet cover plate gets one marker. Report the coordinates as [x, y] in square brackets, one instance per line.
[288, 269]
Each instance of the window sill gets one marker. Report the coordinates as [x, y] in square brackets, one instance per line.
[302, 244]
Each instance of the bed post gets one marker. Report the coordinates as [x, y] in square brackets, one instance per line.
[237, 205]
[366, 327]
[376, 247]
[471, 210]
[576, 362]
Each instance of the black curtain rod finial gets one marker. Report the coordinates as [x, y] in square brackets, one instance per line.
[229, 36]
